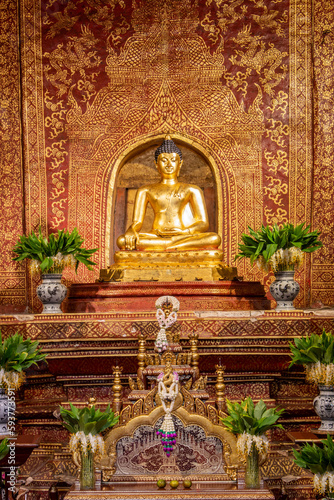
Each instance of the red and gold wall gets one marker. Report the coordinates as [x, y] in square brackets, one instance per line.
[248, 84]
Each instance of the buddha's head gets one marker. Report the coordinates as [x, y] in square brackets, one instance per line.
[168, 158]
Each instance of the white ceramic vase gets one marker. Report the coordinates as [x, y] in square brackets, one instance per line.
[3, 412]
[284, 290]
[51, 292]
[324, 407]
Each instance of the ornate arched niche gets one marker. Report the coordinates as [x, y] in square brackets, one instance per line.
[137, 168]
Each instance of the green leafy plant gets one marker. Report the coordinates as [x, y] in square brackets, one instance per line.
[4, 448]
[315, 458]
[87, 420]
[85, 426]
[265, 243]
[54, 253]
[313, 349]
[316, 354]
[320, 461]
[16, 355]
[249, 418]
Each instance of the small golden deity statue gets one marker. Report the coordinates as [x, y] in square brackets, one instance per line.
[179, 245]
[169, 198]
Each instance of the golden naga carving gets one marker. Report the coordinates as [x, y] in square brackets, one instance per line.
[179, 245]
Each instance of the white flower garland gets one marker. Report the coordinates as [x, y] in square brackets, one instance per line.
[166, 322]
[319, 373]
[161, 342]
[245, 442]
[324, 483]
[165, 299]
[167, 431]
[87, 442]
[282, 260]
[11, 379]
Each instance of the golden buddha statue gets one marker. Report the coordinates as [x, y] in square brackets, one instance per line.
[169, 198]
[179, 246]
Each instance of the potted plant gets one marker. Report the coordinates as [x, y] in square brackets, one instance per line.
[85, 426]
[280, 249]
[50, 256]
[316, 354]
[4, 448]
[249, 423]
[16, 355]
[320, 461]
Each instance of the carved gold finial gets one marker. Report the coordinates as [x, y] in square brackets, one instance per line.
[91, 402]
[117, 388]
[141, 356]
[220, 386]
[193, 339]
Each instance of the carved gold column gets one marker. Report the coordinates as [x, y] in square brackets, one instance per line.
[141, 355]
[220, 387]
[117, 389]
[193, 338]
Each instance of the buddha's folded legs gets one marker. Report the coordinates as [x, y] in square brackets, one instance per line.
[195, 242]
[153, 242]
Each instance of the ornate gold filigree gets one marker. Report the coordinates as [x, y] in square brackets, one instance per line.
[277, 162]
[275, 189]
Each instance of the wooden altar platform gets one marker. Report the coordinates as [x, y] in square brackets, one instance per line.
[199, 490]
[133, 296]
[83, 348]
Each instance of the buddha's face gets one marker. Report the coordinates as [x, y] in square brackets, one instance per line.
[169, 164]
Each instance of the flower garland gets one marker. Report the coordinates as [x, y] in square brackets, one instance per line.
[288, 259]
[245, 443]
[167, 299]
[167, 430]
[161, 342]
[87, 442]
[11, 379]
[324, 483]
[166, 322]
[319, 373]
[60, 261]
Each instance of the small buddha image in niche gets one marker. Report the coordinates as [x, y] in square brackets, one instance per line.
[180, 218]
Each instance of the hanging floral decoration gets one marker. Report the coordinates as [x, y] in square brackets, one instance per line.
[324, 483]
[168, 389]
[319, 373]
[87, 442]
[59, 260]
[164, 321]
[246, 441]
[10, 379]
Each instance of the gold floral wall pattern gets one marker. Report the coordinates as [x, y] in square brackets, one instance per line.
[12, 275]
[231, 77]
[323, 188]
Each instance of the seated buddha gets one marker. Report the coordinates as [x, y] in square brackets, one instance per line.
[179, 246]
[169, 198]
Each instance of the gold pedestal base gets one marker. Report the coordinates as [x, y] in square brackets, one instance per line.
[205, 265]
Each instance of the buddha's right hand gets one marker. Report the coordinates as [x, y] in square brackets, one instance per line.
[131, 238]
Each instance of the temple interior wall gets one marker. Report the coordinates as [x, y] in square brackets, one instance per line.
[87, 89]
[247, 85]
